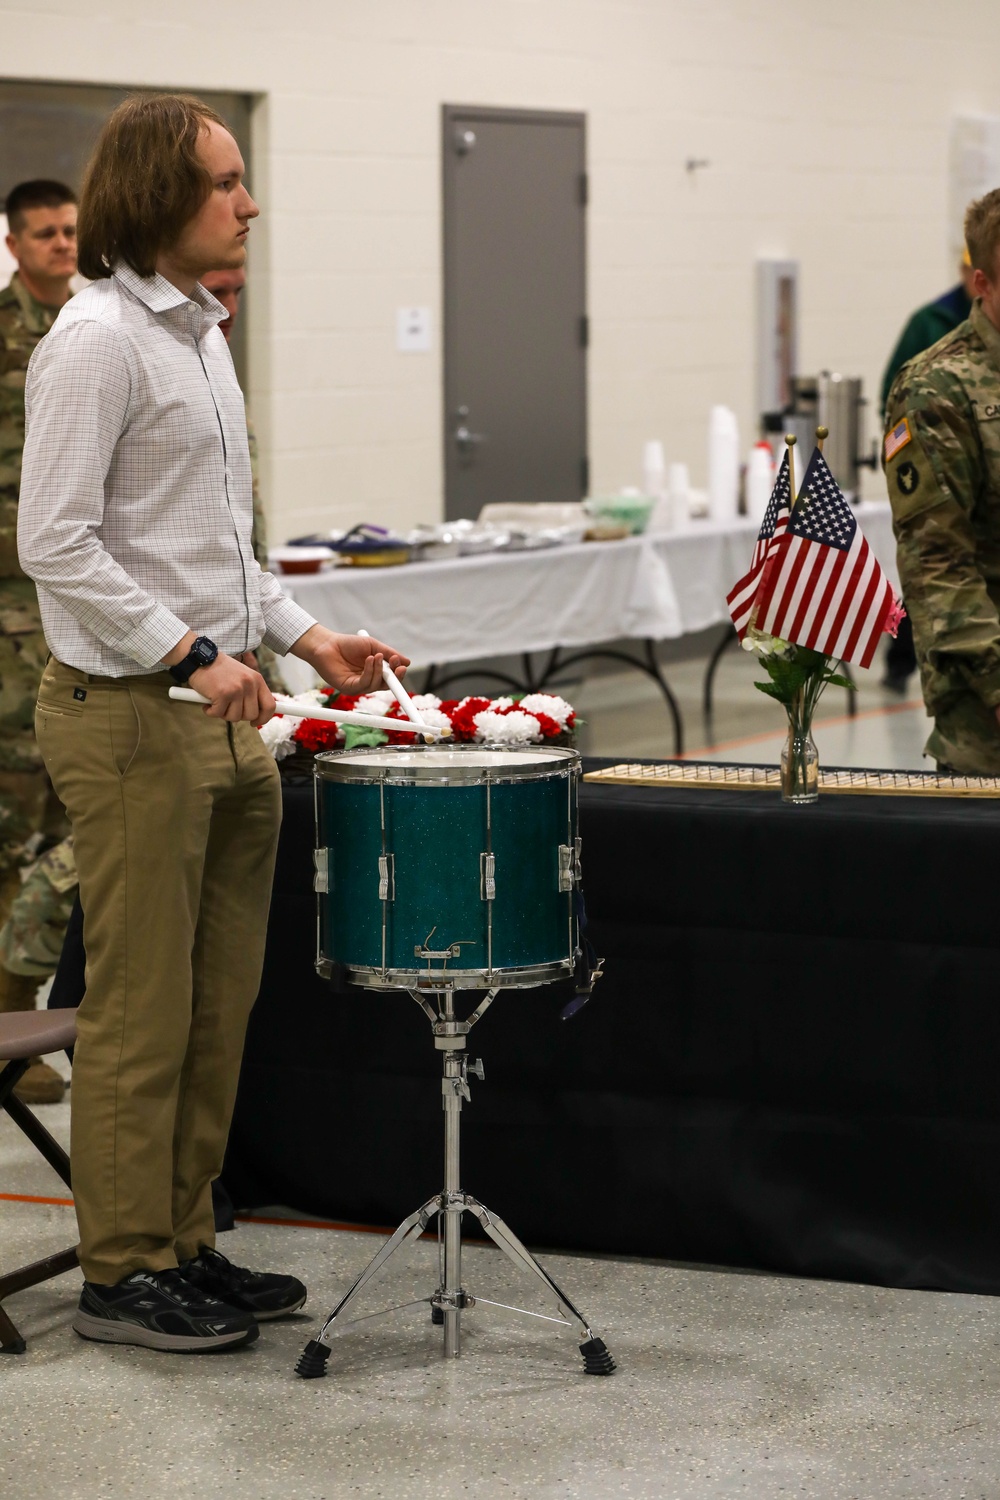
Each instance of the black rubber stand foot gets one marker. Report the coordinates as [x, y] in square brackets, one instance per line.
[17, 1347]
[437, 1315]
[596, 1359]
[312, 1360]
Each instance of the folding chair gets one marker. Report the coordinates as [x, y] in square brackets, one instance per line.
[24, 1035]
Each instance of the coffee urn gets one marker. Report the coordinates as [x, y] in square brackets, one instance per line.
[835, 402]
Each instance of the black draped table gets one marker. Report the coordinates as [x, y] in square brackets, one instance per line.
[790, 1063]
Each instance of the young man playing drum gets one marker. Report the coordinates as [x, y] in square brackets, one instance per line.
[135, 523]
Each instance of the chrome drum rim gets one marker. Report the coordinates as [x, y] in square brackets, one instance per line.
[431, 765]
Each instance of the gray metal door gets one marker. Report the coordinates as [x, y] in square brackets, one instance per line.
[515, 324]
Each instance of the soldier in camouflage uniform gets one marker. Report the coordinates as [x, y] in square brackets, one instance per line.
[31, 939]
[942, 465]
[42, 221]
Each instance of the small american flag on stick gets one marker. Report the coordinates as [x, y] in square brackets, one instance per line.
[741, 599]
[822, 587]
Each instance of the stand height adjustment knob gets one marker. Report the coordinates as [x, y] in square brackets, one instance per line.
[475, 1067]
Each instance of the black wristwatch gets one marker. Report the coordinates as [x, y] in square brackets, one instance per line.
[202, 654]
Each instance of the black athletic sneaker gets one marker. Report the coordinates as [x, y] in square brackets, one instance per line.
[258, 1292]
[161, 1310]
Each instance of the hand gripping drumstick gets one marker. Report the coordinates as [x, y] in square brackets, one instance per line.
[399, 692]
[307, 711]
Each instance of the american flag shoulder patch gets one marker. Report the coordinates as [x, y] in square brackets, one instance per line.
[896, 439]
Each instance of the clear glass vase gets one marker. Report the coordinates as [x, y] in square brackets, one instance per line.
[799, 757]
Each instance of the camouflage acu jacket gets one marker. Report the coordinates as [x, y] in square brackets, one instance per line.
[942, 465]
[23, 322]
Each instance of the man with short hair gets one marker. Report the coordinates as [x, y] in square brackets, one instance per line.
[942, 464]
[135, 523]
[41, 220]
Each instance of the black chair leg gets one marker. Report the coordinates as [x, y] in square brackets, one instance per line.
[38, 1136]
[11, 1341]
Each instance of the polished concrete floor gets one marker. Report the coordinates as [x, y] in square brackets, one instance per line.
[729, 1384]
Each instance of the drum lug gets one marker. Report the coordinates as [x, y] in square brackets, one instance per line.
[569, 865]
[321, 863]
[387, 877]
[487, 877]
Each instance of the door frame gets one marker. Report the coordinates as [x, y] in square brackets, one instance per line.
[450, 114]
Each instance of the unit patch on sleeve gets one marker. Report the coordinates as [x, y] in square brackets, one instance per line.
[897, 438]
[907, 478]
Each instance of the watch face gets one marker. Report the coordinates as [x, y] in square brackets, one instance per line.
[205, 650]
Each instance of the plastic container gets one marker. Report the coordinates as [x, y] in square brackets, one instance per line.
[759, 480]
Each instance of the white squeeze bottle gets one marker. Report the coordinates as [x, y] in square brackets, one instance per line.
[760, 480]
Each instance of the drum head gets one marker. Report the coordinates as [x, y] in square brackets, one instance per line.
[445, 767]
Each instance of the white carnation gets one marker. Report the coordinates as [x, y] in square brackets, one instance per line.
[425, 700]
[496, 704]
[375, 703]
[312, 698]
[547, 703]
[277, 736]
[764, 645]
[432, 717]
[507, 729]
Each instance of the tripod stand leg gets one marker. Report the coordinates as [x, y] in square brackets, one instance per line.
[312, 1360]
[596, 1359]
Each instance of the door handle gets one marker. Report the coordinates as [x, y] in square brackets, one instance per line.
[465, 440]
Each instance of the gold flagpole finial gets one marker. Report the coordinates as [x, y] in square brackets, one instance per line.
[822, 433]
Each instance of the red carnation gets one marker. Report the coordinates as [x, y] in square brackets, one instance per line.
[463, 719]
[316, 734]
[549, 726]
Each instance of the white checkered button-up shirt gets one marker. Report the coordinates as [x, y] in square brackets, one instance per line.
[135, 513]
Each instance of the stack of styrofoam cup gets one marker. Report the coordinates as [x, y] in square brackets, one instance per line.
[654, 483]
[723, 464]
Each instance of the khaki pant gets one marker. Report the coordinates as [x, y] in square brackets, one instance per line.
[175, 820]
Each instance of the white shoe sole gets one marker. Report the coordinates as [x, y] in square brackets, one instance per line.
[113, 1331]
[281, 1312]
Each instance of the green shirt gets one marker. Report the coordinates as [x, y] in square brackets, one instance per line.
[927, 325]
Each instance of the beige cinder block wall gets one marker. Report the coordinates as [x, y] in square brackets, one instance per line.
[825, 127]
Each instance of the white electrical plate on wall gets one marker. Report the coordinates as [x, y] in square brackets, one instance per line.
[413, 330]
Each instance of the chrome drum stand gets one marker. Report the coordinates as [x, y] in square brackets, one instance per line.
[451, 1299]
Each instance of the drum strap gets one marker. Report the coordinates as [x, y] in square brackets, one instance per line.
[589, 967]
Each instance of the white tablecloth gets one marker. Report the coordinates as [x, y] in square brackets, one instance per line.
[658, 587]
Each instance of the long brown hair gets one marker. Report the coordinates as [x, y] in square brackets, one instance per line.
[144, 182]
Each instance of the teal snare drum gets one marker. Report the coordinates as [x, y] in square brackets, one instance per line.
[454, 867]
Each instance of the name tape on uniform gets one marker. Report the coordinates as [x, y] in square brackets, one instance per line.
[897, 438]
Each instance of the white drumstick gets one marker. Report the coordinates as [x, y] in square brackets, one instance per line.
[309, 711]
[399, 692]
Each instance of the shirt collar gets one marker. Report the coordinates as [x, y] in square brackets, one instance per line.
[160, 295]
